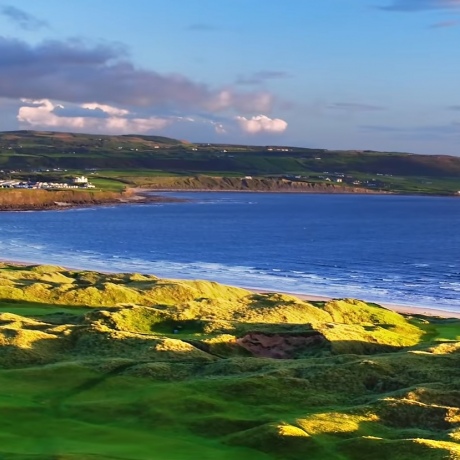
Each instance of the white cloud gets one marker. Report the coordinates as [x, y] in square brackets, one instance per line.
[45, 114]
[72, 72]
[261, 124]
[106, 108]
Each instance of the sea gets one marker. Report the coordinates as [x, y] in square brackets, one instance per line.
[381, 248]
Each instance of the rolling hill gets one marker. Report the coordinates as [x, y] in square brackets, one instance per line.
[130, 366]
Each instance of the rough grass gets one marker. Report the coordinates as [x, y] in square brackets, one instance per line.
[128, 366]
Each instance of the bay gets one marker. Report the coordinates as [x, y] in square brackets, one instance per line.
[390, 249]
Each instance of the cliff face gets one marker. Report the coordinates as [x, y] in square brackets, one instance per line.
[247, 185]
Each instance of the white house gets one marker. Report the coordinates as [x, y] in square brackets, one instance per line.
[80, 180]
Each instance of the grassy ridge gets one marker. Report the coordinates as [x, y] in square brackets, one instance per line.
[129, 366]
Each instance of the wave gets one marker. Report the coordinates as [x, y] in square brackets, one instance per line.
[442, 295]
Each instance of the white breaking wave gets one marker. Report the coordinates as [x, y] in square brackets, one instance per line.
[273, 279]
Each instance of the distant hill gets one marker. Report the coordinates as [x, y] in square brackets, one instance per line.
[56, 149]
[50, 139]
[32, 151]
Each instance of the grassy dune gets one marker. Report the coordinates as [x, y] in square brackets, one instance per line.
[129, 366]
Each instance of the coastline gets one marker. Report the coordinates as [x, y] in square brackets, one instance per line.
[283, 191]
[410, 310]
[146, 195]
[130, 196]
[361, 192]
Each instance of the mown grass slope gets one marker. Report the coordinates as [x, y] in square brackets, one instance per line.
[129, 366]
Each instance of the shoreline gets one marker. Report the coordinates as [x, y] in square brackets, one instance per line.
[130, 196]
[366, 192]
[284, 191]
[410, 310]
[146, 195]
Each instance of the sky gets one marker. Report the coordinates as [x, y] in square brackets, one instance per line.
[336, 74]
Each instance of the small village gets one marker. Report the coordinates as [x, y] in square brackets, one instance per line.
[76, 182]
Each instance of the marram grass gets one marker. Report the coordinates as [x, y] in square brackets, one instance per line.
[129, 366]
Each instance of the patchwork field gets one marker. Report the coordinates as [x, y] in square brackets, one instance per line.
[129, 366]
[114, 162]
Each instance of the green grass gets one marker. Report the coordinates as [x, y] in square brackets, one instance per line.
[71, 410]
[136, 159]
[440, 330]
[107, 184]
[32, 309]
[129, 366]
[449, 332]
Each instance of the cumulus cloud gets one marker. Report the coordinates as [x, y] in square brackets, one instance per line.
[44, 114]
[419, 5]
[113, 111]
[74, 72]
[71, 112]
[261, 124]
[23, 19]
[103, 118]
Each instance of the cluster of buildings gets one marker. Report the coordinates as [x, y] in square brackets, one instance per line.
[341, 178]
[75, 183]
[335, 177]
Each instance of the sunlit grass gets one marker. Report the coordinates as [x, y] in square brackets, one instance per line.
[129, 366]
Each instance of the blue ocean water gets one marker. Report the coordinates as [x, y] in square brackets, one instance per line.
[391, 249]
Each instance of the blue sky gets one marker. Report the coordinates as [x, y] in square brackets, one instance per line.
[354, 74]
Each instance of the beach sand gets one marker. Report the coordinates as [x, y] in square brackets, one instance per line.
[404, 309]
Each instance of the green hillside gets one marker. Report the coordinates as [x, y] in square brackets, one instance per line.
[130, 366]
[33, 154]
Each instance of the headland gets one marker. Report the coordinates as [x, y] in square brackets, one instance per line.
[42, 200]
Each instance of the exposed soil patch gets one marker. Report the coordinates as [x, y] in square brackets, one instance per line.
[280, 345]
